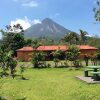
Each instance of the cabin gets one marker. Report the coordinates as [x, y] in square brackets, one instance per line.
[25, 53]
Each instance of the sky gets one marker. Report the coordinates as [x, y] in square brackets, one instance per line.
[72, 14]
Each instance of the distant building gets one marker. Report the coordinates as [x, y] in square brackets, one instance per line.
[25, 53]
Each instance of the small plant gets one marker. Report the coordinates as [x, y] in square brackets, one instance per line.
[56, 55]
[22, 69]
[66, 64]
[56, 62]
[48, 65]
[77, 63]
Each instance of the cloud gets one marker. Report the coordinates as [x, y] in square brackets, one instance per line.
[30, 4]
[57, 14]
[36, 21]
[27, 3]
[25, 22]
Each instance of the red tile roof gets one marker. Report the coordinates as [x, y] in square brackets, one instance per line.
[51, 48]
[84, 47]
[59, 47]
[28, 48]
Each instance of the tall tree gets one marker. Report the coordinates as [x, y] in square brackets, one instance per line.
[96, 10]
[71, 38]
[12, 40]
[83, 36]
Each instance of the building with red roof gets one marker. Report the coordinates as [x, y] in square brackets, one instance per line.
[25, 53]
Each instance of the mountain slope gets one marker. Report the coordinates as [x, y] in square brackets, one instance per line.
[47, 28]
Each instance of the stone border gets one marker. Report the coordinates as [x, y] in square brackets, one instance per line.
[88, 80]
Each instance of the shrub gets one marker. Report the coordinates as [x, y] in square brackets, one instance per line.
[38, 59]
[77, 63]
[7, 63]
[73, 54]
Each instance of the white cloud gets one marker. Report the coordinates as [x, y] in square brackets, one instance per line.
[30, 4]
[57, 14]
[27, 3]
[36, 21]
[25, 22]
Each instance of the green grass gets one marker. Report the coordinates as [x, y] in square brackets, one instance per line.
[49, 84]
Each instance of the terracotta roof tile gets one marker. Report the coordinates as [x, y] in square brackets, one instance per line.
[29, 48]
[82, 47]
[59, 47]
[48, 48]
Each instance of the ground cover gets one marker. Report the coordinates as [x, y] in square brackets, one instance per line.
[48, 84]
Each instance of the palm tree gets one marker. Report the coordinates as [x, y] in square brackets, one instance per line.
[71, 38]
[83, 36]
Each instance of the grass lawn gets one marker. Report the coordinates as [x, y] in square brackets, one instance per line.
[49, 84]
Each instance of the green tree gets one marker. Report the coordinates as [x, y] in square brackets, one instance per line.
[13, 38]
[7, 62]
[94, 41]
[56, 55]
[96, 10]
[83, 36]
[28, 42]
[36, 55]
[35, 44]
[71, 38]
[73, 54]
[12, 41]
[38, 59]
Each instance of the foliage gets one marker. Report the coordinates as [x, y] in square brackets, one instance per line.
[46, 41]
[28, 42]
[38, 59]
[73, 54]
[77, 63]
[71, 38]
[98, 55]
[96, 10]
[35, 44]
[94, 41]
[83, 37]
[56, 55]
[7, 62]
[12, 41]
[22, 69]
[17, 28]
[86, 59]
[74, 38]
